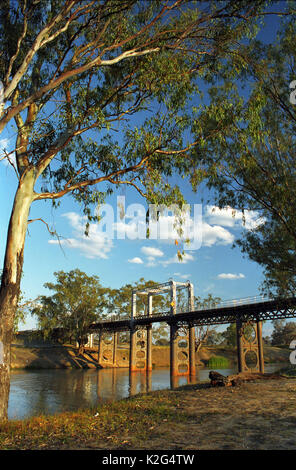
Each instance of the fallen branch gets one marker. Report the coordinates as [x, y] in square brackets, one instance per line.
[219, 380]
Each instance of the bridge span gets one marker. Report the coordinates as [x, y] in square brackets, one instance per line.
[247, 314]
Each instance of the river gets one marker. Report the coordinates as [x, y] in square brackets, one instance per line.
[35, 392]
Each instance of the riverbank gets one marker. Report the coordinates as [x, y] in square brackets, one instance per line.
[253, 415]
[66, 357]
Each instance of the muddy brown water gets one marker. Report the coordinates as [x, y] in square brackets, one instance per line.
[47, 392]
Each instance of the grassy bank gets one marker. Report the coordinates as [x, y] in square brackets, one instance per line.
[254, 415]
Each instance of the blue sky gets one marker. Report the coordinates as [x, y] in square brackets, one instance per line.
[215, 268]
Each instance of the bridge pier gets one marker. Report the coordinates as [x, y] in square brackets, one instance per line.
[249, 346]
[182, 350]
[140, 340]
[107, 349]
[149, 348]
[140, 351]
[182, 346]
[192, 360]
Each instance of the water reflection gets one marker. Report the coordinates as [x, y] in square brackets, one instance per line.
[53, 391]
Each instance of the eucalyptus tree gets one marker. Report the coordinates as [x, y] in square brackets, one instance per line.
[77, 301]
[77, 74]
[283, 333]
[252, 163]
[24, 307]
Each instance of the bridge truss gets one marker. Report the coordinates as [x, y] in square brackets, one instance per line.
[274, 309]
[243, 312]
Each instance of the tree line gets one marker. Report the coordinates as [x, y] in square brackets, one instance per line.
[78, 299]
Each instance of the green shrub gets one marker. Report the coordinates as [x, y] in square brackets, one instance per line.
[218, 361]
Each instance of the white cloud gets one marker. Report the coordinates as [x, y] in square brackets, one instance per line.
[229, 217]
[131, 230]
[182, 276]
[195, 230]
[95, 245]
[210, 287]
[230, 276]
[253, 220]
[151, 262]
[136, 260]
[151, 251]
[4, 144]
[215, 234]
[201, 233]
[6, 147]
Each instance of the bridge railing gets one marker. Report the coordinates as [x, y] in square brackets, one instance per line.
[215, 305]
[234, 302]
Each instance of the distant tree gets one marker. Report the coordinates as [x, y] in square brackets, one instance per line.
[161, 334]
[77, 301]
[203, 333]
[267, 340]
[207, 302]
[229, 335]
[214, 338]
[283, 333]
[24, 307]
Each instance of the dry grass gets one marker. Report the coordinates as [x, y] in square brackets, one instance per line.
[254, 415]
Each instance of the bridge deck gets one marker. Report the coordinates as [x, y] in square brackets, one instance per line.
[270, 309]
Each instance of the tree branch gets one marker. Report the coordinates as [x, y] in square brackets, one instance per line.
[90, 182]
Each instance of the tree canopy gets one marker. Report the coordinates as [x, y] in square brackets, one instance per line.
[76, 74]
[251, 163]
[77, 301]
[283, 333]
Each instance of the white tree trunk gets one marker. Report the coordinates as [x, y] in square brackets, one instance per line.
[11, 279]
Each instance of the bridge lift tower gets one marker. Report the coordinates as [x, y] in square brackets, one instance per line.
[182, 337]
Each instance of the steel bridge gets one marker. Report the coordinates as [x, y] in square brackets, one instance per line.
[247, 313]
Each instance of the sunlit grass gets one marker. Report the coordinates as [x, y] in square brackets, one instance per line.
[111, 422]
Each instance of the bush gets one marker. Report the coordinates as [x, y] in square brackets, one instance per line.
[218, 361]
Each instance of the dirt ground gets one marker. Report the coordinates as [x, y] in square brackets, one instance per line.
[258, 415]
